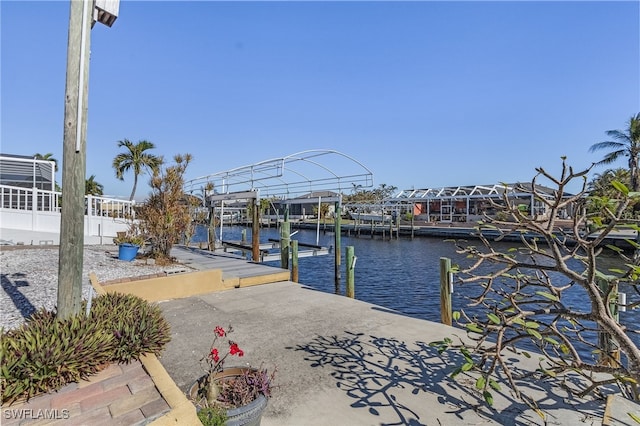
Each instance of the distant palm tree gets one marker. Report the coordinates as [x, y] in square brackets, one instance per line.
[135, 158]
[601, 184]
[46, 157]
[626, 143]
[93, 187]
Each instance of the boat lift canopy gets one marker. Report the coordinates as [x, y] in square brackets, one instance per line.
[285, 178]
[295, 178]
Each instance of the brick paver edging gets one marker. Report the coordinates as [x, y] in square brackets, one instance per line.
[118, 394]
[182, 410]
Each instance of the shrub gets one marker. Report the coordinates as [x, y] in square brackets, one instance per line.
[525, 295]
[137, 326]
[164, 216]
[46, 352]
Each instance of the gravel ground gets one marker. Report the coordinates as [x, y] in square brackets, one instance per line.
[30, 277]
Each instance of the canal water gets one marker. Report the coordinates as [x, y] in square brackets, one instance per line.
[399, 274]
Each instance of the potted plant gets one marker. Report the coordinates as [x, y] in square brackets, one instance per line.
[128, 245]
[230, 396]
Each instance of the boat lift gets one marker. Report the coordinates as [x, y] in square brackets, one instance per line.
[290, 179]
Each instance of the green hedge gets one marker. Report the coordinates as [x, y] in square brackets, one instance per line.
[46, 353]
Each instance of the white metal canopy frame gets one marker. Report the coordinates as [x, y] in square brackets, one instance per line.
[294, 175]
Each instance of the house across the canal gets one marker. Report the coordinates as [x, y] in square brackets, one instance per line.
[459, 203]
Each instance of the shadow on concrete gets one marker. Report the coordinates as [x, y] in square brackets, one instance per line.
[11, 288]
[387, 375]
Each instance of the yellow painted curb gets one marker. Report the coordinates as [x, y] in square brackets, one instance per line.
[182, 410]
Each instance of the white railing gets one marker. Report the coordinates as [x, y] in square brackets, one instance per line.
[32, 209]
[15, 197]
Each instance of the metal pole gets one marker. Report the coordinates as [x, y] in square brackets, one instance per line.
[74, 161]
[221, 217]
[255, 231]
[318, 225]
[337, 246]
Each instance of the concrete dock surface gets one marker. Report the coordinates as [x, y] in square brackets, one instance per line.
[345, 362]
[342, 361]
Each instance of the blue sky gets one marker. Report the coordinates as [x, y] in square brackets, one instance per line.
[425, 94]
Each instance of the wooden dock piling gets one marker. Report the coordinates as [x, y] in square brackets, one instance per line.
[350, 259]
[294, 261]
[446, 289]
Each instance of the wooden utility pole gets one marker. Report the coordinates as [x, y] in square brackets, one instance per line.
[74, 160]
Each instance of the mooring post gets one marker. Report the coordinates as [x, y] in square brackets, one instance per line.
[337, 251]
[412, 226]
[255, 231]
[350, 259]
[446, 289]
[610, 351]
[284, 240]
[244, 236]
[294, 261]
[211, 232]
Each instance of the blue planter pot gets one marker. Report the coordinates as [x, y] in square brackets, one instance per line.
[127, 251]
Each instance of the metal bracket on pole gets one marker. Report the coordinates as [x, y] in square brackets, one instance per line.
[622, 302]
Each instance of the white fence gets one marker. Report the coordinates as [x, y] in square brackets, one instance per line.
[35, 210]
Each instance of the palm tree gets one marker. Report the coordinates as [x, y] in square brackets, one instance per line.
[626, 143]
[601, 184]
[46, 157]
[136, 159]
[93, 187]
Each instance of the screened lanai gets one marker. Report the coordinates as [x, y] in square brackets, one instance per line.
[27, 172]
[459, 203]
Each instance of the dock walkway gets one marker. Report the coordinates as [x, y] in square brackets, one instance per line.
[342, 361]
[232, 266]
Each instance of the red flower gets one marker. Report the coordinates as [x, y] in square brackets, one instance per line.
[214, 355]
[220, 331]
[235, 350]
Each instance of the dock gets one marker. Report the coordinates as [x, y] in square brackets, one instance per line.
[269, 251]
[233, 266]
